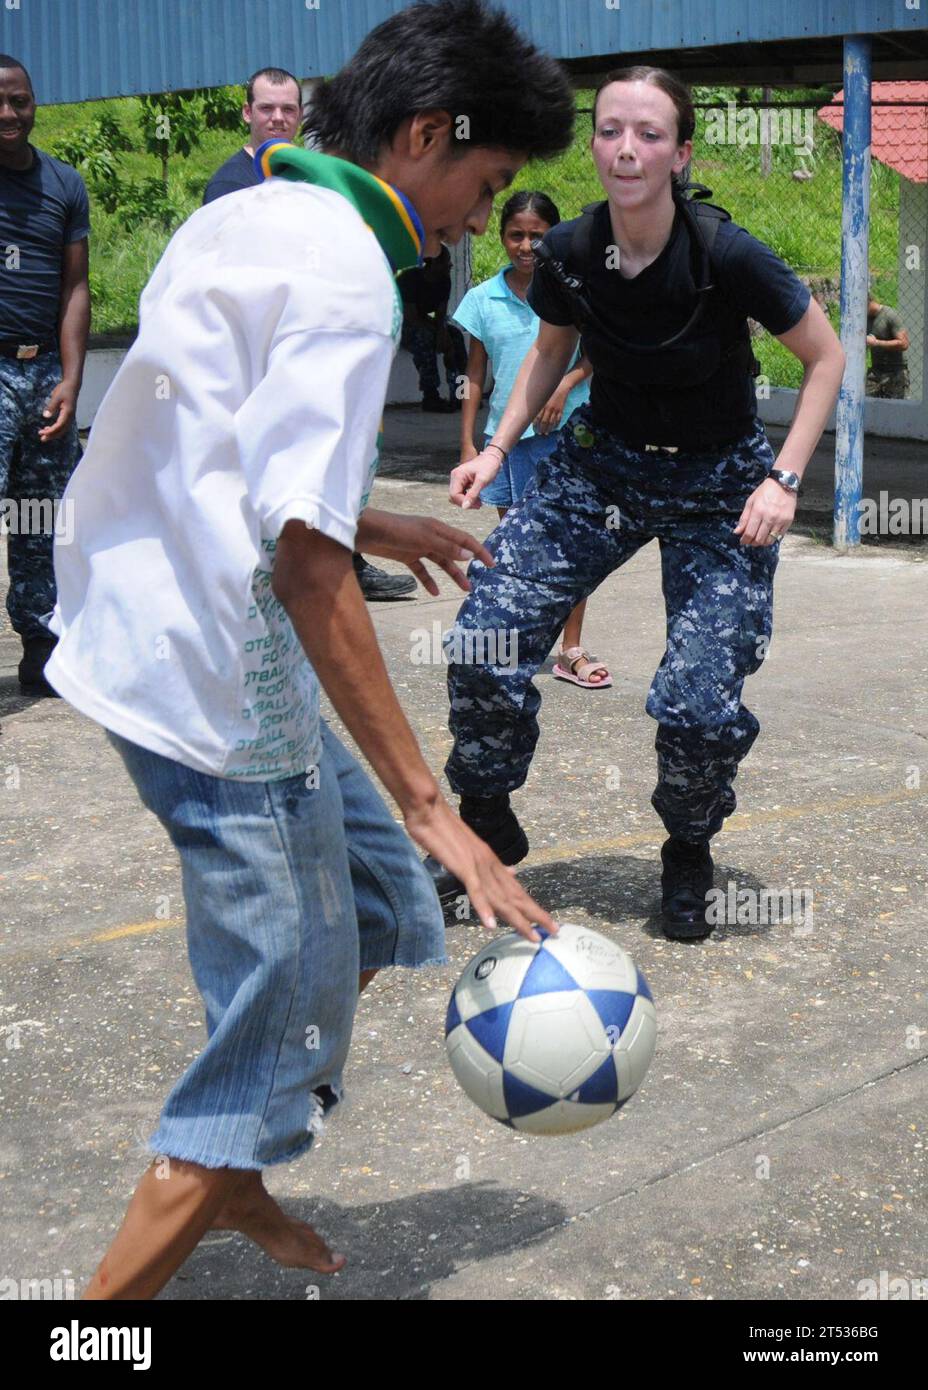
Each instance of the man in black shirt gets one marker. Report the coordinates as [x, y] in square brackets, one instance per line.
[272, 110]
[427, 332]
[44, 323]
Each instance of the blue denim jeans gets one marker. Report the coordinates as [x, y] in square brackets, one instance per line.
[290, 889]
[519, 469]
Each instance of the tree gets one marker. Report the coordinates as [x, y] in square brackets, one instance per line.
[171, 123]
[175, 122]
[94, 150]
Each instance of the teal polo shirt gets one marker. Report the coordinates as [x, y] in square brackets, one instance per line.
[507, 326]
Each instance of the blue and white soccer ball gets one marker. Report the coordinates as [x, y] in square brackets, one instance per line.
[551, 1038]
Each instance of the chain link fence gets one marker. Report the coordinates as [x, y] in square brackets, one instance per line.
[777, 167]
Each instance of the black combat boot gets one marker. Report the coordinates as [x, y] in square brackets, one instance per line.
[377, 584]
[685, 881]
[36, 651]
[493, 819]
[435, 404]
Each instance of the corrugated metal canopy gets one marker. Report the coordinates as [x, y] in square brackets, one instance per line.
[77, 50]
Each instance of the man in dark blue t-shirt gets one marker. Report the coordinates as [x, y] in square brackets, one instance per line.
[44, 323]
[272, 111]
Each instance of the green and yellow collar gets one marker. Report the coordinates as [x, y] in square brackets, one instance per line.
[388, 212]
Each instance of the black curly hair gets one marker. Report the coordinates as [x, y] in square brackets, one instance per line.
[459, 56]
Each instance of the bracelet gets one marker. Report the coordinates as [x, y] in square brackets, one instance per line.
[503, 453]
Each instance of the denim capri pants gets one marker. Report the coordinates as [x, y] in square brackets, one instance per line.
[518, 469]
[291, 890]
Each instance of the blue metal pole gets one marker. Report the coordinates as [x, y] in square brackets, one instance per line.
[855, 248]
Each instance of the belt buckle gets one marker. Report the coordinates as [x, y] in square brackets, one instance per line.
[662, 448]
[26, 351]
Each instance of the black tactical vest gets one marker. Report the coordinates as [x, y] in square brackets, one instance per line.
[696, 386]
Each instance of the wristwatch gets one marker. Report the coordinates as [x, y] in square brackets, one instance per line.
[788, 480]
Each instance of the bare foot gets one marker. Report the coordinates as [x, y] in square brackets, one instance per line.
[254, 1213]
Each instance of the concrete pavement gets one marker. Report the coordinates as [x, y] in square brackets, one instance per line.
[777, 1148]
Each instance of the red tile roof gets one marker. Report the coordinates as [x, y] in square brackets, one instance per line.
[900, 133]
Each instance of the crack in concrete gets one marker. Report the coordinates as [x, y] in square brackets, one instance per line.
[669, 1173]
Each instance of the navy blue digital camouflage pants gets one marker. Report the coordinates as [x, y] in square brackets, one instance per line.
[33, 477]
[420, 340]
[594, 503]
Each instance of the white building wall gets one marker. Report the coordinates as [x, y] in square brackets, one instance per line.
[103, 363]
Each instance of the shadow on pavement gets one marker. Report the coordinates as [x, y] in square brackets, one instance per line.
[396, 1250]
[622, 886]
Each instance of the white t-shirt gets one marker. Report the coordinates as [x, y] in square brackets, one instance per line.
[252, 395]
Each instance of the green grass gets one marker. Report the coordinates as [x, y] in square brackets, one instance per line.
[121, 262]
[800, 221]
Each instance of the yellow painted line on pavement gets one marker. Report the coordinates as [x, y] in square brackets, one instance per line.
[740, 822]
[98, 938]
[130, 929]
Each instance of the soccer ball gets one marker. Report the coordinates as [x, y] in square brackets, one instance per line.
[551, 1038]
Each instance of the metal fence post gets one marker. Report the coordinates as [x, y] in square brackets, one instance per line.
[855, 248]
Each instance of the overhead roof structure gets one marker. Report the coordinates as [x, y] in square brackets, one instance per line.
[79, 50]
[899, 135]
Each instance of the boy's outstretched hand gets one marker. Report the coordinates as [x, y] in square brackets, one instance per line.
[493, 889]
[413, 539]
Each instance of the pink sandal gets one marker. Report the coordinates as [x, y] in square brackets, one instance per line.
[580, 666]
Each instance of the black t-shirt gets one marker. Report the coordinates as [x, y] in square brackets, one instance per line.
[42, 209]
[238, 172]
[427, 287]
[751, 282]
